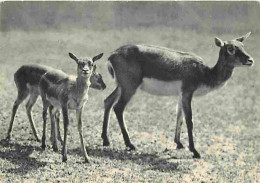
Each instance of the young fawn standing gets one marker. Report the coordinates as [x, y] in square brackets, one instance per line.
[59, 90]
[27, 79]
[162, 71]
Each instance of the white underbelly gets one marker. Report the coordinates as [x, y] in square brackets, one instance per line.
[167, 88]
[203, 89]
[159, 87]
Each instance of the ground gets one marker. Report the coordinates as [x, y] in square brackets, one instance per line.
[226, 121]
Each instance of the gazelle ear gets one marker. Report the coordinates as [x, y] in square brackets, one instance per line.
[219, 42]
[241, 39]
[95, 58]
[94, 68]
[73, 57]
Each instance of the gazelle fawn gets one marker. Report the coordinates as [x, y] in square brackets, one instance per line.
[59, 90]
[162, 71]
[27, 79]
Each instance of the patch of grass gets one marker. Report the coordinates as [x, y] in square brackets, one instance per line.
[226, 129]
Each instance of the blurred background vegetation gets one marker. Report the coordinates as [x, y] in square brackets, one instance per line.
[215, 17]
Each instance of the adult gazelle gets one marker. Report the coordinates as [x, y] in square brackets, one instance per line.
[163, 71]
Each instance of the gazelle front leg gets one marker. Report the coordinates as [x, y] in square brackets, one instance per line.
[179, 123]
[44, 116]
[79, 113]
[66, 124]
[186, 103]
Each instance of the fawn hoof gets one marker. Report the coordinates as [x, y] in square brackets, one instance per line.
[64, 159]
[43, 146]
[180, 146]
[8, 137]
[55, 148]
[38, 139]
[131, 147]
[87, 160]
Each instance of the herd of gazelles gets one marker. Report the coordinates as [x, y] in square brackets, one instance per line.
[156, 70]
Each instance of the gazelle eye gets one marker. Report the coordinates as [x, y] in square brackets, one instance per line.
[231, 50]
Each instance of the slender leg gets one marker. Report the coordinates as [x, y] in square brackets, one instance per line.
[66, 124]
[53, 129]
[57, 117]
[79, 113]
[22, 94]
[179, 124]
[108, 102]
[44, 116]
[119, 107]
[186, 102]
[29, 105]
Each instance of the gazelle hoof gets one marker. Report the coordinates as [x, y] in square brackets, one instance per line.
[38, 140]
[131, 147]
[43, 146]
[86, 160]
[106, 143]
[64, 159]
[55, 148]
[8, 137]
[196, 155]
[180, 146]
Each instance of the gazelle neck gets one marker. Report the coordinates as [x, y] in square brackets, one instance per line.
[220, 73]
[82, 84]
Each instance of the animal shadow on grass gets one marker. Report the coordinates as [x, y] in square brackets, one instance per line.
[19, 154]
[153, 161]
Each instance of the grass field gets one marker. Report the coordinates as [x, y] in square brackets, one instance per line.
[226, 122]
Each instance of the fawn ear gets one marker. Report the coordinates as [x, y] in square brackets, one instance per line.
[219, 42]
[95, 58]
[73, 57]
[94, 68]
[241, 39]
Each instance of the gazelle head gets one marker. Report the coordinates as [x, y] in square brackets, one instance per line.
[96, 80]
[85, 65]
[233, 52]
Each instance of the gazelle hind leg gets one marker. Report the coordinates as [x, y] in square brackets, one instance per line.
[56, 114]
[29, 105]
[179, 124]
[22, 94]
[108, 103]
[128, 74]
[57, 118]
[119, 108]
[53, 129]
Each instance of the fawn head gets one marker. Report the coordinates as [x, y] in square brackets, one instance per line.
[85, 65]
[233, 52]
[96, 80]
